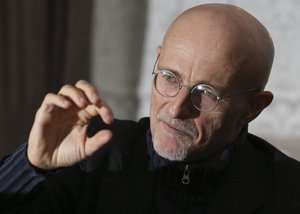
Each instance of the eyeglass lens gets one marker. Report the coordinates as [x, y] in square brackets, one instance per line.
[203, 96]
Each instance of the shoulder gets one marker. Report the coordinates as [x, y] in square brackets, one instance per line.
[263, 175]
[265, 159]
[269, 150]
[282, 166]
[283, 175]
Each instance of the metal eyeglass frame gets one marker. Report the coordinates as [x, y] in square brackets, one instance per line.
[212, 91]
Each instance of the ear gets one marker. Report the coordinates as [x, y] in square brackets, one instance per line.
[256, 106]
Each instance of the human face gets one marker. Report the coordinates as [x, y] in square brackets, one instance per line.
[180, 131]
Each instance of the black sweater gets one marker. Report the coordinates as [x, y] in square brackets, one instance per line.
[127, 176]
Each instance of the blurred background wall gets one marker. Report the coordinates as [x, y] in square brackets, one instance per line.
[47, 43]
[43, 44]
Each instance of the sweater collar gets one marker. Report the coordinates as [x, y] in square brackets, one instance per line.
[157, 161]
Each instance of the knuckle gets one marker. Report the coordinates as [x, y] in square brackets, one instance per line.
[66, 87]
[81, 82]
[85, 85]
[48, 96]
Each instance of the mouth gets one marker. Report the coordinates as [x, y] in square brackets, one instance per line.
[170, 127]
[176, 129]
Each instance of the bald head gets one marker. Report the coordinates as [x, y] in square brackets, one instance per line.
[227, 36]
[209, 50]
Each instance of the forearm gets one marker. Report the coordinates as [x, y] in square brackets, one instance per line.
[18, 178]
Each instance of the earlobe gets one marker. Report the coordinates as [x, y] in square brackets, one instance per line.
[257, 105]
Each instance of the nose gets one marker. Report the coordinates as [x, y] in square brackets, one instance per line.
[181, 106]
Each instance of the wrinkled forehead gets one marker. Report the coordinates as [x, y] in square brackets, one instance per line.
[193, 67]
[222, 43]
[205, 57]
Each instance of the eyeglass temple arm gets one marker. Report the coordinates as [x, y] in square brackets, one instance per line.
[242, 92]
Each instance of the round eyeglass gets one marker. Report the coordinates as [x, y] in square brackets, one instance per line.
[203, 96]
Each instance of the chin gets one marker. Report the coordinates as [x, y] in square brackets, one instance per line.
[170, 149]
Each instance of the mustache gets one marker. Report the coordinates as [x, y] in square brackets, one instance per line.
[184, 126]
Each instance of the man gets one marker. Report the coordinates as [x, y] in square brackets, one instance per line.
[196, 157]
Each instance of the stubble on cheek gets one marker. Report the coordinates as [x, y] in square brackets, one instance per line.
[179, 146]
[170, 147]
[173, 138]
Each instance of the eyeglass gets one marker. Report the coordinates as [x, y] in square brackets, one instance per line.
[203, 96]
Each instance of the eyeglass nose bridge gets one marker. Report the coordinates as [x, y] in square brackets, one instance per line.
[189, 88]
[189, 95]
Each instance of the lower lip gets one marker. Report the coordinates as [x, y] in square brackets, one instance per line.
[169, 128]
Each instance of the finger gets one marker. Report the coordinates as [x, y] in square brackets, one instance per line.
[97, 141]
[103, 110]
[90, 91]
[75, 95]
[55, 100]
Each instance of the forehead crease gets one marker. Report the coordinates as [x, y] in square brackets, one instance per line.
[196, 70]
[196, 57]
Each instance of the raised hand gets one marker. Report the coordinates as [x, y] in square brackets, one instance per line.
[58, 136]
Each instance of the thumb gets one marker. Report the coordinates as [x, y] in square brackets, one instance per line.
[97, 141]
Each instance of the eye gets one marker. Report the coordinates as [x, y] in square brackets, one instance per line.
[207, 91]
[169, 77]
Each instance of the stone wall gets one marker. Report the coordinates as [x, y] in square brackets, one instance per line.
[118, 38]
